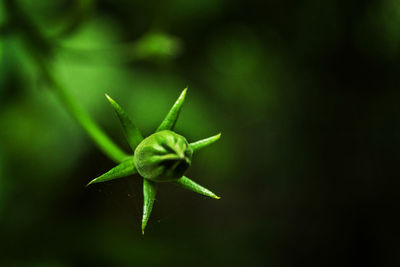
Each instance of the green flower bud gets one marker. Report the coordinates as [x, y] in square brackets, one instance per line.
[163, 156]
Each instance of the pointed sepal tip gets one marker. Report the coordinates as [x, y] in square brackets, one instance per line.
[170, 119]
[188, 184]
[123, 169]
[149, 195]
[132, 133]
[205, 142]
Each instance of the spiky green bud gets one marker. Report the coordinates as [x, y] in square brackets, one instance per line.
[163, 156]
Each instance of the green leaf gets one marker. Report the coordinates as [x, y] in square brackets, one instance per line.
[191, 185]
[124, 169]
[149, 195]
[170, 120]
[132, 133]
[205, 142]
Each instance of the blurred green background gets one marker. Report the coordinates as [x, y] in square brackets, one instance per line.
[305, 93]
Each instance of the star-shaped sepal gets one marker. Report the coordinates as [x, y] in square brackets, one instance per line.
[161, 157]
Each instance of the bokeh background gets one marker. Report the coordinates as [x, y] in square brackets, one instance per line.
[305, 93]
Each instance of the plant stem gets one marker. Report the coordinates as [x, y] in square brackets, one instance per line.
[35, 40]
[105, 144]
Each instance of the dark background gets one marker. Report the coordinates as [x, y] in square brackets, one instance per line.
[305, 93]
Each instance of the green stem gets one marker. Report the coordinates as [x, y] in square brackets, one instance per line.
[105, 144]
[35, 40]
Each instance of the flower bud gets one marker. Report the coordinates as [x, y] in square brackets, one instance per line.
[163, 156]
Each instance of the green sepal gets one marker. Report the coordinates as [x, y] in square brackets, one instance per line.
[191, 185]
[124, 169]
[149, 195]
[131, 132]
[170, 120]
[204, 142]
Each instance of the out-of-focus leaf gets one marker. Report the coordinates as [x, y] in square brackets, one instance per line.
[155, 46]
